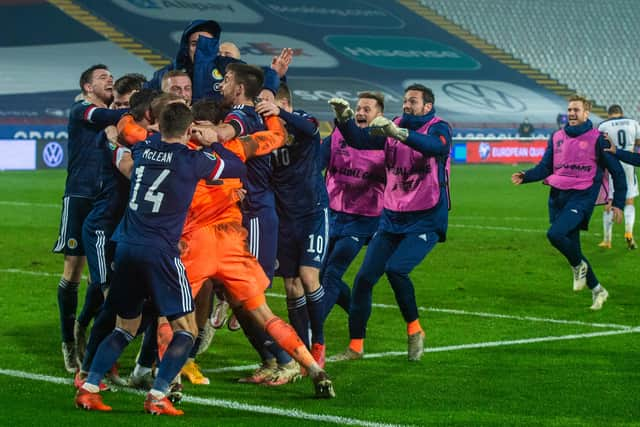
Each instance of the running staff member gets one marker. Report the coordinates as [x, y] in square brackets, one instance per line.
[355, 183]
[573, 165]
[416, 207]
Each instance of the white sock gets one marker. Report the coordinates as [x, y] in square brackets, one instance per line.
[629, 218]
[157, 393]
[607, 225]
[91, 388]
[140, 370]
[597, 289]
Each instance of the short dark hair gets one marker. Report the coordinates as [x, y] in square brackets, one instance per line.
[250, 76]
[207, 109]
[128, 83]
[161, 101]
[175, 119]
[284, 93]
[140, 102]
[427, 94]
[615, 109]
[87, 75]
[376, 96]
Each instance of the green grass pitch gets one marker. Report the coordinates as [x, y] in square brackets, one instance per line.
[509, 342]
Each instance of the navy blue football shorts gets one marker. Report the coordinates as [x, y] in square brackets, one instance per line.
[263, 238]
[96, 240]
[302, 242]
[74, 212]
[145, 272]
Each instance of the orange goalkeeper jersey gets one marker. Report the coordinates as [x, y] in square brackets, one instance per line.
[217, 202]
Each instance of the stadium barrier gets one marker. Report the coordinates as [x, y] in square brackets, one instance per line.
[30, 154]
[498, 150]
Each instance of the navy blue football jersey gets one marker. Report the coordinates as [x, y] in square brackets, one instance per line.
[113, 186]
[85, 121]
[163, 181]
[258, 180]
[297, 177]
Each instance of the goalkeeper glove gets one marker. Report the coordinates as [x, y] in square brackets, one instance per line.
[381, 126]
[341, 109]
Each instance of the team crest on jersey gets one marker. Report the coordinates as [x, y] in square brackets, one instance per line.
[559, 143]
[210, 155]
[290, 140]
[216, 74]
[72, 243]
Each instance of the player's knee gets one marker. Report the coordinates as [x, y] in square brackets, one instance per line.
[554, 237]
[129, 325]
[73, 266]
[394, 274]
[363, 282]
[311, 283]
[254, 303]
[293, 287]
[185, 323]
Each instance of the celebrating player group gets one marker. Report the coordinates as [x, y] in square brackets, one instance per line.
[204, 182]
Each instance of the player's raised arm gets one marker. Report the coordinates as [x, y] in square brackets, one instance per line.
[264, 142]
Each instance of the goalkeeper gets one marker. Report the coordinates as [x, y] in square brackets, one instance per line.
[416, 204]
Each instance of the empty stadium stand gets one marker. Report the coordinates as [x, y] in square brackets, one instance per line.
[590, 46]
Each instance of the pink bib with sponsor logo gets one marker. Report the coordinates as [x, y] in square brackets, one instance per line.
[574, 161]
[412, 177]
[355, 178]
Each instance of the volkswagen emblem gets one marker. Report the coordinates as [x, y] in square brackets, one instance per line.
[52, 154]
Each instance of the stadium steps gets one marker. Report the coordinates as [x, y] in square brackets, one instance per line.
[496, 53]
[112, 34]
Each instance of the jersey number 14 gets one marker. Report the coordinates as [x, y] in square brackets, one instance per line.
[152, 195]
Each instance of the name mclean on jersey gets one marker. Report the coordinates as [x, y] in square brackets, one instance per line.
[157, 156]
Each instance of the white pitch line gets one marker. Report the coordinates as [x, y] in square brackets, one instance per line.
[39, 205]
[527, 318]
[426, 309]
[30, 273]
[34, 273]
[498, 228]
[494, 315]
[496, 218]
[487, 344]
[222, 403]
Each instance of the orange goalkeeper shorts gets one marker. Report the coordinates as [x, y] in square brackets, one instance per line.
[219, 251]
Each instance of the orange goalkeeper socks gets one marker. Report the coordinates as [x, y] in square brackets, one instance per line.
[287, 338]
